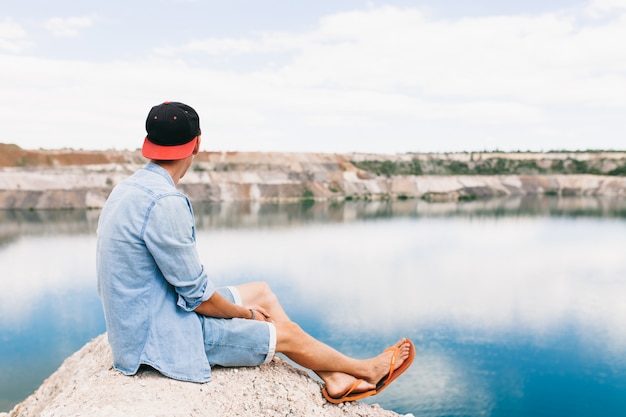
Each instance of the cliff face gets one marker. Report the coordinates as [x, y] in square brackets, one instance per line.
[288, 176]
[86, 385]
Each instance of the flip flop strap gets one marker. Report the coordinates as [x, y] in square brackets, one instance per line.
[353, 387]
[392, 362]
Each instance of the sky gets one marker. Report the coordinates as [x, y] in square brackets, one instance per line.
[318, 76]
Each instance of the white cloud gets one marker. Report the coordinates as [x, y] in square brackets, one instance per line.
[13, 37]
[11, 30]
[599, 8]
[543, 59]
[67, 27]
[539, 59]
[511, 82]
[260, 44]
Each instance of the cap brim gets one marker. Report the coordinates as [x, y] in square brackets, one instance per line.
[167, 153]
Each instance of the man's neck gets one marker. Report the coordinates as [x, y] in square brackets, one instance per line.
[176, 169]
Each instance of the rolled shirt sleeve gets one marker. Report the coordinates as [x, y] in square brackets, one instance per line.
[169, 235]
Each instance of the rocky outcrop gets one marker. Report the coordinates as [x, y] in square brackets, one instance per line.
[86, 385]
[292, 176]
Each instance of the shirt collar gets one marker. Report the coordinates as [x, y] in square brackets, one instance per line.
[157, 169]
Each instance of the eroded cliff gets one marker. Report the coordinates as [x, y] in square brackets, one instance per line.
[63, 182]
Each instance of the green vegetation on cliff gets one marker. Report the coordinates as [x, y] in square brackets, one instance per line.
[495, 165]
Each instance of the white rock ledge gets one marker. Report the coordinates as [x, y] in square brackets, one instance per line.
[87, 385]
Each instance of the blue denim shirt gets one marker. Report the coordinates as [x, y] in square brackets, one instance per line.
[150, 278]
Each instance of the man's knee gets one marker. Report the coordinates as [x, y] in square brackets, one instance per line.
[258, 292]
[265, 294]
[288, 334]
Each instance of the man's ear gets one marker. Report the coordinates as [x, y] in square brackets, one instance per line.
[196, 148]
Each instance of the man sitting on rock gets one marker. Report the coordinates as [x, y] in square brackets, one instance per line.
[162, 310]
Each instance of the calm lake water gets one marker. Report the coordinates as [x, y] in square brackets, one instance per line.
[517, 307]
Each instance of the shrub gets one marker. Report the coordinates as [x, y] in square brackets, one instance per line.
[620, 171]
[307, 195]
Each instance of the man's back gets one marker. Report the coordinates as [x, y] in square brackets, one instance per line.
[150, 278]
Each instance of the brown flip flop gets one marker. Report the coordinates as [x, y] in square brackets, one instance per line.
[348, 396]
[395, 373]
[382, 384]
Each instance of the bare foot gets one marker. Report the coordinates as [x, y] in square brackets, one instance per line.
[379, 366]
[375, 369]
[338, 384]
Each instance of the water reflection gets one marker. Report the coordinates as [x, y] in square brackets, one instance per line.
[18, 223]
[516, 306]
[254, 214]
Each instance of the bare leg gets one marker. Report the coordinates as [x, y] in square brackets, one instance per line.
[261, 294]
[338, 371]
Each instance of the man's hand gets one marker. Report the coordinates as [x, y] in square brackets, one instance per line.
[260, 314]
[220, 307]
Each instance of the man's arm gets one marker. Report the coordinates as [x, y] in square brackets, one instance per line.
[220, 307]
